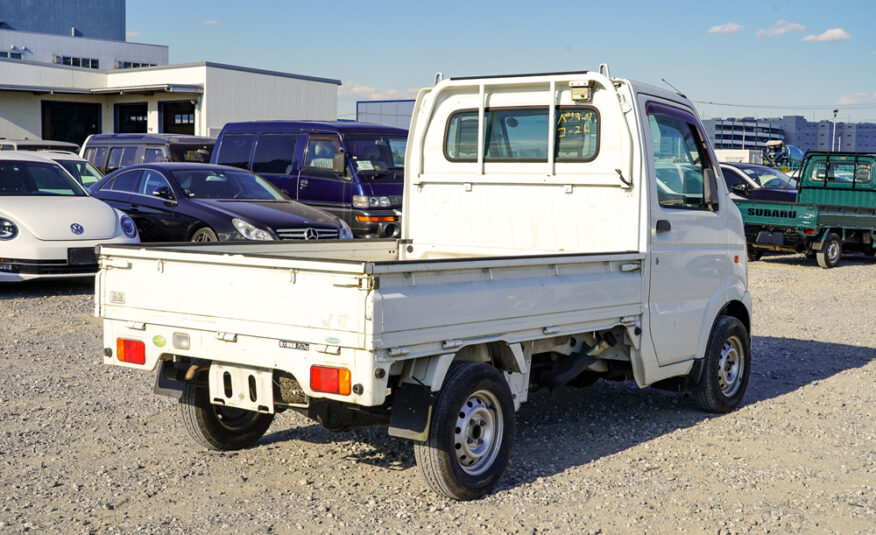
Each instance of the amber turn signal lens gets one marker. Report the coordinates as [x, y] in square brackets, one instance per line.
[375, 219]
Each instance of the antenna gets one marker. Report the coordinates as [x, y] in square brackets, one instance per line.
[674, 88]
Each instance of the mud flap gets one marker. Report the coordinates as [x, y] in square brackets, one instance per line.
[164, 385]
[411, 412]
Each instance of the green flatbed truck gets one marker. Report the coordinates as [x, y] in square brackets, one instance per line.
[835, 211]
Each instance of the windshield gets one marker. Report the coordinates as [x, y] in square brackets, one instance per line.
[83, 172]
[22, 178]
[224, 184]
[769, 178]
[378, 157]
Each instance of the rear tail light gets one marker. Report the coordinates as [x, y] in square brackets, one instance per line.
[330, 380]
[131, 351]
[809, 231]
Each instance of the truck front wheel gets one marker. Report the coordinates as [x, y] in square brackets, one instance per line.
[726, 367]
[831, 250]
[216, 427]
[471, 432]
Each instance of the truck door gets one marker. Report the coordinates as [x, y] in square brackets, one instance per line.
[688, 238]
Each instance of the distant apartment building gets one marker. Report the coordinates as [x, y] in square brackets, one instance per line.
[753, 133]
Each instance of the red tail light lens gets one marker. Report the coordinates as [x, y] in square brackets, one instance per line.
[131, 351]
[330, 380]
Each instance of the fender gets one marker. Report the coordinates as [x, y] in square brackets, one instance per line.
[732, 290]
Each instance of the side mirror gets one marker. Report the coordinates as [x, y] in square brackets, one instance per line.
[710, 187]
[164, 193]
[741, 189]
[339, 162]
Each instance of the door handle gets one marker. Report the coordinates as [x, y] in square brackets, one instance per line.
[303, 183]
[663, 225]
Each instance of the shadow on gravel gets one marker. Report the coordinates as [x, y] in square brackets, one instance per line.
[801, 260]
[46, 288]
[571, 427]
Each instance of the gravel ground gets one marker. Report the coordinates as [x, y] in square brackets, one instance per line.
[87, 448]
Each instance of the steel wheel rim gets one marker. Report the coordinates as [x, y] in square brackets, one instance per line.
[832, 251]
[731, 366]
[478, 433]
[234, 419]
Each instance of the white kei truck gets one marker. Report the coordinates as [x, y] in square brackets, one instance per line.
[558, 228]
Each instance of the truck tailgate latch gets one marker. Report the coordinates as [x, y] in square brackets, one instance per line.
[226, 337]
[631, 267]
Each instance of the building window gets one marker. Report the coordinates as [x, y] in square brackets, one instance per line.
[10, 55]
[88, 63]
[132, 64]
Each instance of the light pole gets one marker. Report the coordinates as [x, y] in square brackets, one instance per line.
[833, 136]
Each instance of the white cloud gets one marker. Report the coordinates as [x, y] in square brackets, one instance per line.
[728, 28]
[780, 28]
[366, 92]
[133, 35]
[210, 22]
[857, 98]
[830, 36]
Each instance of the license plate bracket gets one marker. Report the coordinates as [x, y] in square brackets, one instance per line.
[242, 387]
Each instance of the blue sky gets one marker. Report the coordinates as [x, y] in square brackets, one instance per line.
[809, 57]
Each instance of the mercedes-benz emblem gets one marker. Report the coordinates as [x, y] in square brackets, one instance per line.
[77, 228]
[310, 234]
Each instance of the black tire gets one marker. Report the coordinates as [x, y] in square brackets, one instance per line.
[471, 433]
[204, 234]
[830, 253]
[216, 427]
[726, 367]
[754, 254]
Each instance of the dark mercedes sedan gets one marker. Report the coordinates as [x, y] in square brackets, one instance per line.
[203, 202]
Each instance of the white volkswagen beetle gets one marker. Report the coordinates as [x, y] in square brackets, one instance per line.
[49, 225]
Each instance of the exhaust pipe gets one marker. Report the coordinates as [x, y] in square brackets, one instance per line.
[578, 364]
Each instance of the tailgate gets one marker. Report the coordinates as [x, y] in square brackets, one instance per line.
[282, 298]
[778, 214]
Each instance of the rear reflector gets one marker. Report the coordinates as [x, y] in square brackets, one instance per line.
[330, 380]
[131, 351]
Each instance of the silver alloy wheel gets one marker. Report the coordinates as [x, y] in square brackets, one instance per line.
[478, 433]
[730, 366]
[833, 249]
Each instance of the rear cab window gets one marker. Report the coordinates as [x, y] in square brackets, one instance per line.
[521, 134]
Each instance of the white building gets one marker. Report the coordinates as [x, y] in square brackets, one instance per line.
[66, 86]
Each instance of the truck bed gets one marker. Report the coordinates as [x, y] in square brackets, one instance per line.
[364, 295]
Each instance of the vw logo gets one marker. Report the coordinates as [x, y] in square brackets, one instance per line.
[77, 228]
[310, 234]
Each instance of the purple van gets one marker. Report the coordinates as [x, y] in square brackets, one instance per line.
[352, 170]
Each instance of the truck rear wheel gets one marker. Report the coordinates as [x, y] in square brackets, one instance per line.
[831, 250]
[726, 367]
[471, 432]
[216, 427]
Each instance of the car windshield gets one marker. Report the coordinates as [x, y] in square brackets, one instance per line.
[225, 184]
[25, 178]
[83, 172]
[767, 177]
[377, 156]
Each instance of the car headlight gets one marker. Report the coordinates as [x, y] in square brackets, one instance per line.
[8, 230]
[364, 201]
[249, 231]
[345, 232]
[128, 226]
